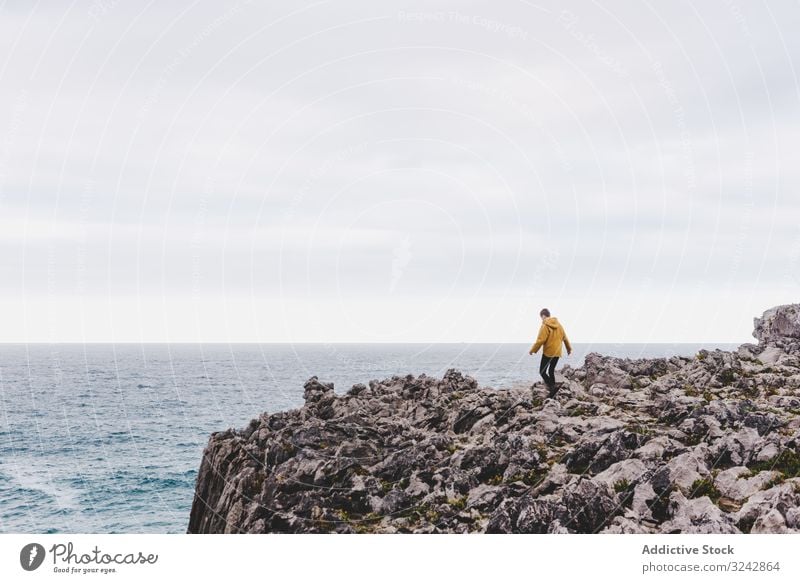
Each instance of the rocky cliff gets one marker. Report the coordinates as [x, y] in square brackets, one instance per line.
[707, 444]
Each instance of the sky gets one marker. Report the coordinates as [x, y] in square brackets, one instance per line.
[429, 171]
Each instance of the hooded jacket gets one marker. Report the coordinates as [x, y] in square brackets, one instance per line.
[551, 335]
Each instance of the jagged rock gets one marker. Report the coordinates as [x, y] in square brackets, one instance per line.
[648, 504]
[525, 514]
[737, 484]
[588, 506]
[395, 501]
[315, 391]
[769, 451]
[629, 471]
[685, 469]
[584, 507]
[660, 447]
[781, 500]
[606, 371]
[738, 448]
[626, 525]
[762, 422]
[703, 444]
[778, 326]
[595, 455]
[793, 518]
[417, 487]
[484, 496]
[697, 515]
[557, 528]
[770, 355]
[772, 522]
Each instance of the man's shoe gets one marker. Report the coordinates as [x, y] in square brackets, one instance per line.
[552, 390]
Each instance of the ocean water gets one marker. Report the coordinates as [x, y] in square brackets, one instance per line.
[107, 438]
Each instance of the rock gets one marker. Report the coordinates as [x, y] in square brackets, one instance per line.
[595, 455]
[315, 391]
[778, 325]
[739, 448]
[557, 528]
[395, 501]
[525, 514]
[749, 351]
[628, 471]
[695, 445]
[484, 496]
[737, 484]
[793, 518]
[696, 516]
[587, 506]
[770, 523]
[417, 488]
[648, 504]
[783, 499]
[767, 452]
[626, 525]
[660, 447]
[763, 423]
[770, 355]
[684, 470]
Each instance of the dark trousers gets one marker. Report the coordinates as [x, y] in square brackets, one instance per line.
[547, 368]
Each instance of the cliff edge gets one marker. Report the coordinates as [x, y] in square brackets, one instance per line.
[703, 444]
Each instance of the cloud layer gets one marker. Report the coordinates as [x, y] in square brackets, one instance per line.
[413, 171]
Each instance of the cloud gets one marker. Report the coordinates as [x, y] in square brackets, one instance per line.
[363, 152]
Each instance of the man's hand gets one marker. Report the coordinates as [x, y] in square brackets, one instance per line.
[569, 351]
[530, 352]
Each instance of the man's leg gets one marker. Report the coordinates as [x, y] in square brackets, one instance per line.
[551, 370]
[543, 370]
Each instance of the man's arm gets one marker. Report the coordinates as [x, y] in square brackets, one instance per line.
[567, 344]
[539, 339]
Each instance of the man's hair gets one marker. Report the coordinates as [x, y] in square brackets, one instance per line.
[545, 312]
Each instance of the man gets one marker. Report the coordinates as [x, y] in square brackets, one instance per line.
[551, 335]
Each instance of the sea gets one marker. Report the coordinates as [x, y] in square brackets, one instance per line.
[108, 438]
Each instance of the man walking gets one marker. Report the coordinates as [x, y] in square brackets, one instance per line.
[551, 335]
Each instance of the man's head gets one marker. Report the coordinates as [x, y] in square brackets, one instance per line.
[545, 313]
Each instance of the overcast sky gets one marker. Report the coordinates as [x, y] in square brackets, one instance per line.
[397, 171]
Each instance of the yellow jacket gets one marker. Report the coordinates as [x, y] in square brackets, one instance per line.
[551, 335]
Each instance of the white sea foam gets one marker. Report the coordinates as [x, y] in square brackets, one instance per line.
[27, 475]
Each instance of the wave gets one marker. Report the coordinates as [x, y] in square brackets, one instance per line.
[27, 474]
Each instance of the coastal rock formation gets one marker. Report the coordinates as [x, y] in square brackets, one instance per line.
[703, 444]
